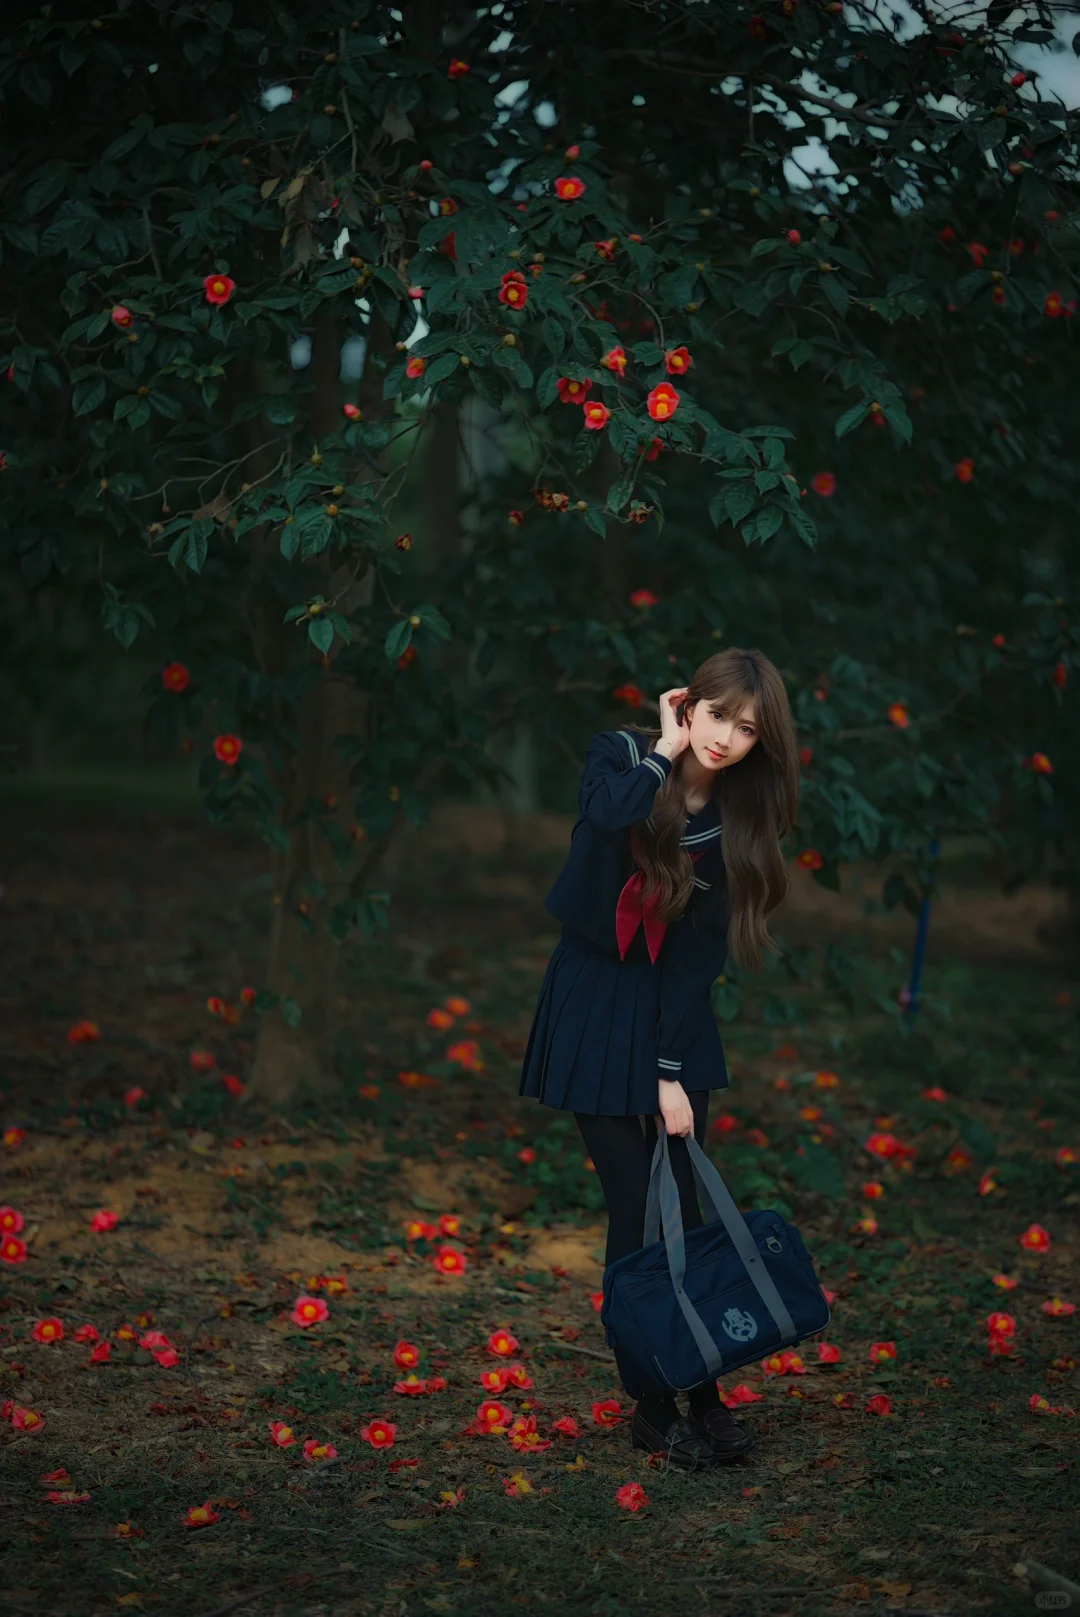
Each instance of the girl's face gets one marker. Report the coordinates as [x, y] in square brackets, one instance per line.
[720, 735]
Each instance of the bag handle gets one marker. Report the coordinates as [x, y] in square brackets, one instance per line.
[663, 1200]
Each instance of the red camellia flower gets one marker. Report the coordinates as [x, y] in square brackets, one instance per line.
[824, 483]
[1060, 675]
[607, 1412]
[569, 188]
[516, 517]
[514, 293]
[758, 28]
[120, 316]
[614, 360]
[678, 361]
[201, 1515]
[571, 392]
[227, 748]
[979, 252]
[630, 694]
[318, 1451]
[234, 1085]
[11, 1221]
[447, 205]
[83, 1033]
[809, 859]
[415, 366]
[947, 236]
[794, 237]
[597, 415]
[492, 1418]
[351, 411]
[879, 1405]
[964, 469]
[1035, 1239]
[219, 288]
[26, 1420]
[1017, 80]
[13, 1249]
[449, 1261]
[379, 1433]
[503, 1343]
[1039, 763]
[47, 1330]
[898, 715]
[631, 1496]
[309, 1311]
[281, 1436]
[457, 68]
[662, 402]
[406, 1356]
[175, 677]
[1054, 305]
[644, 598]
[86, 1333]
[103, 1221]
[606, 249]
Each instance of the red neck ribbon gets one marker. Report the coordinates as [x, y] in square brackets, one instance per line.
[633, 911]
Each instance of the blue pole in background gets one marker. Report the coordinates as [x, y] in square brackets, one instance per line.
[920, 949]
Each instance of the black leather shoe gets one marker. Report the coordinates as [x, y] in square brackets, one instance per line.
[722, 1432]
[684, 1443]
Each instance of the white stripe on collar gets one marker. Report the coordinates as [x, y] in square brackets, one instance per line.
[635, 755]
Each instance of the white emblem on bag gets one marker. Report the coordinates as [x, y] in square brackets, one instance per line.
[739, 1325]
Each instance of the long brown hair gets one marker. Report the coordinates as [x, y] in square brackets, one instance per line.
[758, 799]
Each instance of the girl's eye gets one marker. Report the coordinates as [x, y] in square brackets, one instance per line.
[717, 714]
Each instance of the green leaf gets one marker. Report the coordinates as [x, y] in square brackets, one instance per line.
[898, 418]
[547, 389]
[837, 294]
[432, 619]
[618, 494]
[446, 365]
[45, 187]
[321, 634]
[35, 83]
[595, 521]
[852, 417]
[768, 521]
[127, 143]
[397, 640]
[87, 395]
[554, 336]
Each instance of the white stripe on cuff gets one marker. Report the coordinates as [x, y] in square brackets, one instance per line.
[669, 1065]
[656, 768]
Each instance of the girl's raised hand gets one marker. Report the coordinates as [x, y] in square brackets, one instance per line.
[676, 736]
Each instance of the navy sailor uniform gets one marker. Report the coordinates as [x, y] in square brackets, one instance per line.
[625, 1000]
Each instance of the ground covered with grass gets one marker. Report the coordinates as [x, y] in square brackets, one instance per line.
[179, 1438]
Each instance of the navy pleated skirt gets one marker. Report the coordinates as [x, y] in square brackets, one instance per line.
[593, 1042]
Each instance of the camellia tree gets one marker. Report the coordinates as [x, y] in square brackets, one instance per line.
[740, 272]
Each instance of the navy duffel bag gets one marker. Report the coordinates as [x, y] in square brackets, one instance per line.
[700, 1303]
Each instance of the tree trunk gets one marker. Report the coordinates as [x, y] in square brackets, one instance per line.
[308, 882]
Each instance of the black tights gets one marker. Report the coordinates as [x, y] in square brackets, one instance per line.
[622, 1153]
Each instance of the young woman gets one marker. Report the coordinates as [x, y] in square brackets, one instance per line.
[676, 854]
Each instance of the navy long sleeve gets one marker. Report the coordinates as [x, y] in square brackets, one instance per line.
[692, 958]
[616, 792]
